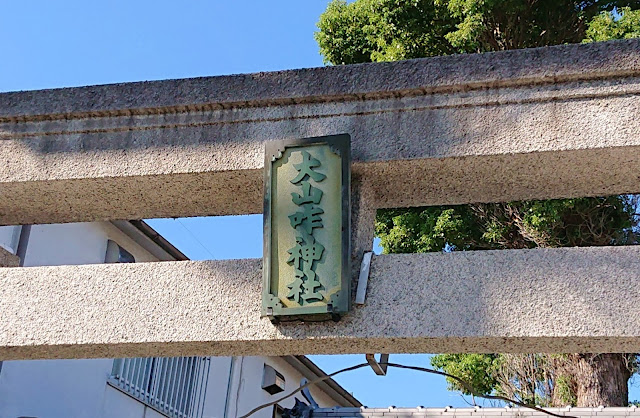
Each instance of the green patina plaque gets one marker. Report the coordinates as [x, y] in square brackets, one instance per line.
[306, 229]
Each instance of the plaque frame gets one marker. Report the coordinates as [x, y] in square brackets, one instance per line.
[272, 307]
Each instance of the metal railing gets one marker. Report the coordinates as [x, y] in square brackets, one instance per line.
[174, 386]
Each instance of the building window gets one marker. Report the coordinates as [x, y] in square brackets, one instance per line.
[117, 254]
[277, 411]
[173, 386]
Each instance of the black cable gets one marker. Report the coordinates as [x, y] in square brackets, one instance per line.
[466, 385]
[471, 390]
[312, 382]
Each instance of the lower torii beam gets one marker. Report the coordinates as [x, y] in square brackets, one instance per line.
[544, 300]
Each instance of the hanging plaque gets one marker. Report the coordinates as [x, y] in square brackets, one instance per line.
[306, 229]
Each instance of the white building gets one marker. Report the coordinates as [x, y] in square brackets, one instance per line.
[139, 388]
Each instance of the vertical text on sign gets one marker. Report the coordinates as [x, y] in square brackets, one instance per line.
[306, 217]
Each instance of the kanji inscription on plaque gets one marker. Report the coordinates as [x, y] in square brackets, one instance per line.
[306, 257]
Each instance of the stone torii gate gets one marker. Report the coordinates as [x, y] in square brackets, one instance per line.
[540, 123]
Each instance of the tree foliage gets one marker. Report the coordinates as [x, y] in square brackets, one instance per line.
[390, 30]
[387, 30]
[491, 25]
[624, 24]
[470, 367]
[538, 223]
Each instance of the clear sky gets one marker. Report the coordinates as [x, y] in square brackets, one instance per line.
[47, 44]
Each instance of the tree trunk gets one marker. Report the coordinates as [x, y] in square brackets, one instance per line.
[600, 379]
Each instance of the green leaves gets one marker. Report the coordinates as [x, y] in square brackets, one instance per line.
[472, 368]
[624, 24]
[390, 30]
[589, 221]
[383, 30]
[419, 230]
[347, 33]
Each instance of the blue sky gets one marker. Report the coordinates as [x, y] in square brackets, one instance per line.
[49, 44]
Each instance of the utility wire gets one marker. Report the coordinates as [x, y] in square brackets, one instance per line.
[194, 237]
[306, 385]
[471, 389]
[462, 382]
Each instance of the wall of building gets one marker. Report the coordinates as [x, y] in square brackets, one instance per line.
[67, 388]
[9, 238]
[78, 388]
[77, 243]
[85, 243]
[53, 388]
[247, 392]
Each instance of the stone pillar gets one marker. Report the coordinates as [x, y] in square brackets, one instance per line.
[363, 215]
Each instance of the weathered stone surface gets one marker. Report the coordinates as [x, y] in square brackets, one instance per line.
[497, 69]
[539, 123]
[7, 259]
[552, 300]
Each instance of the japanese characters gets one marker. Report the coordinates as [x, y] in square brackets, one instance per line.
[308, 251]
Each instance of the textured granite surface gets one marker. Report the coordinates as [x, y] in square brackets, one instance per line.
[351, 82]
[546, 300]
[538, 123]
[8, 259]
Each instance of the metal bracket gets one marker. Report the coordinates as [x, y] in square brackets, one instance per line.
[307, 394]
[361, 291]
[379, 368]
[300, 410]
